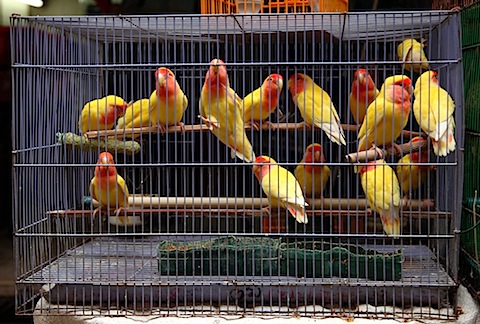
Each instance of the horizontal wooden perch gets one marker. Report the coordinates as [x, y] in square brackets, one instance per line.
[245, 203]
[198, 206]
[110, 144]
[379, 153]
[203, 212]
[129, 132]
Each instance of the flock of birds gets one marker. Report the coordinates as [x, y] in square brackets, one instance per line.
[382, 115]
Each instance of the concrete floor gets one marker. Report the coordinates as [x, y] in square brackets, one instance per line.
[7, 281]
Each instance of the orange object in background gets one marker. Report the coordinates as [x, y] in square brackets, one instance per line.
[271, 6]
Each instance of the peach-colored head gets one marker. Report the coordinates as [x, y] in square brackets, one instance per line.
[262, 166]
[313, 154]
[103, 168]
[297, 83]
[418, 157]
[362, 81]
[216, 74]
[274, 81]
[165, 82]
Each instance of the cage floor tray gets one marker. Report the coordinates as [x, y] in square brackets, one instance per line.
[125, 271]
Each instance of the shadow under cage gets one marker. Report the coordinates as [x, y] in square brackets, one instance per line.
[202, 233]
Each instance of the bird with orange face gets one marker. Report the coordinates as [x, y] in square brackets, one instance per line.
[109, 188]
[165, 108]
[281, 187]
[259, 104]
[381, 187]
[434, 109]
[410, 176]
[387, 115]
[362, 95]
[220, 110]
[312, 178]
[101, 114]
[316, 107]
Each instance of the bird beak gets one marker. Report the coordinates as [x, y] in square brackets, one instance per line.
[105, 160]
[215, 66]
[362, 77]
[280, 83]
[162, 80]
[317, 156]
[255, 168]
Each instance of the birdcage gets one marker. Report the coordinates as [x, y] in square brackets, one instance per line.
[470, 240]
[271, 6]
[196, 235]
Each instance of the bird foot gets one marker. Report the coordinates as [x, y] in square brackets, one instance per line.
[96, 211]
[423, 41]
[254, 125]
[181, 125]
[161, 129]
[267, 211]
[86, 137]
[397, 149]
[209, 123]
[378, 151]
[119, 211]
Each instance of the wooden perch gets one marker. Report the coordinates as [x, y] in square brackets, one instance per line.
[248, 203]
[129, 132]
[203, 212]
[110, 144]
[379, 153]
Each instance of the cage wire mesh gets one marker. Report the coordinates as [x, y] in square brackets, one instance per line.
[470, 243]
[195, 232]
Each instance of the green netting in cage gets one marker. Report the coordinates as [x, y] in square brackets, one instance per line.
[326, 260]
[240, 256]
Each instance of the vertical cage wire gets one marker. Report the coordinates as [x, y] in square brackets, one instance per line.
[198, 229]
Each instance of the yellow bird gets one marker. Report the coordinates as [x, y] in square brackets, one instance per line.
[433, 109]
[387, 115]
[220, 109]
[409, 51]
[382, 189]
[259, 104]
[316, 107]
[109, 188]
[166, 105]
[281, 187]
[101, 114]
[411, 177]
[313, 178]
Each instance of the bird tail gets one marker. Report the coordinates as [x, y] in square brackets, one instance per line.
[446, 143]
[391, 221]
[334, 132]
[298, 212]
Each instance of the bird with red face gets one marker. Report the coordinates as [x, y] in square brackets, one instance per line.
[281, 187]
[312, 178]
[108, 187]
[387, 115]
[220, 110]
[316, 107]
[259, 104]
[101, 114]
[165, 108]
[411, 176]
[362, 95]
[381, 187]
